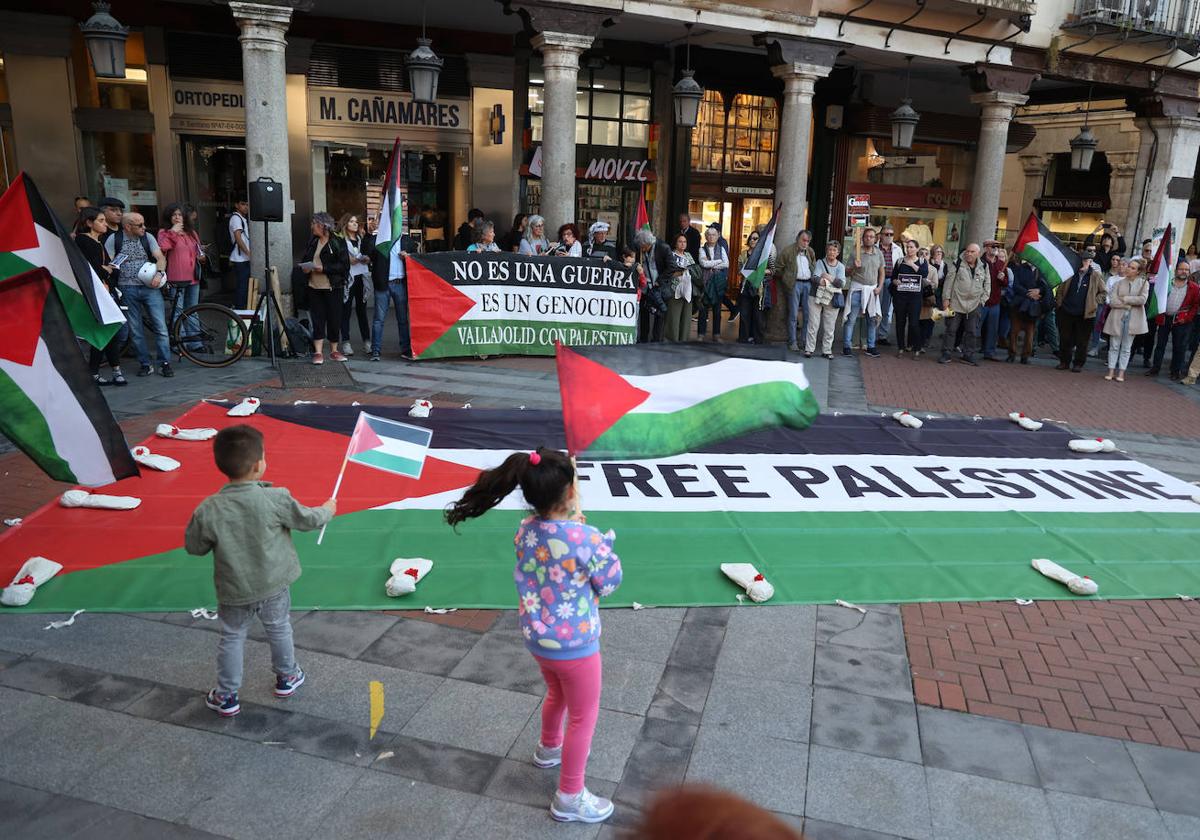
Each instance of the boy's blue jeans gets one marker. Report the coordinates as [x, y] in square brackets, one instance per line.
[274, 613]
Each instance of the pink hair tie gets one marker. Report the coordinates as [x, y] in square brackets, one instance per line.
[534, 459]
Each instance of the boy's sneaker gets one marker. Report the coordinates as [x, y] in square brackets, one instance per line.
[584, 806]
[546, 757]
[224, 706]
[286, 686]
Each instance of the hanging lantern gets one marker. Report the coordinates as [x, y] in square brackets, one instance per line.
[105, 39]
[1083, 148]
[424, 67]
[904, 125]
[688, 94]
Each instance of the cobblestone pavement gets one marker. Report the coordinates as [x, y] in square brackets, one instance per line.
[848, 725]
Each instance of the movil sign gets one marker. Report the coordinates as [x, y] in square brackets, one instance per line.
[614, 169]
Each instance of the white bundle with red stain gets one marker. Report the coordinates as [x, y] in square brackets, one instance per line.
[1091, 445]
[35, 572]
[906, 419]
[146, 458]
[406, 573]
[1078, 584]
[1024, 422]
[166, 430]
[245, 408]
[84, 499]
[420, 408]
[749, 578]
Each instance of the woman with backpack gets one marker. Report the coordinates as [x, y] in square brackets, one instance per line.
[327, 264]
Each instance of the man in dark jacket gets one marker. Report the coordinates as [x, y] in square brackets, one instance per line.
[1077, 300]
[693, 236]
[1031, 296]
[389, 278]
[466, 231]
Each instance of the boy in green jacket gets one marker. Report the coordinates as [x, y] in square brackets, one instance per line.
[248, 528]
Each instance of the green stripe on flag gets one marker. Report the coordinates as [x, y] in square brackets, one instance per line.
[25, 425]
[391, 463]
[83, 322]
[732, 413]
[1032, 255]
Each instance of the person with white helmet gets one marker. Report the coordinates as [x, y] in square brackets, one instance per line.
[141, 274]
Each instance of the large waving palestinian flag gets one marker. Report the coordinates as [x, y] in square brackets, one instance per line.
[32, 237]
[1162, 272]
[656, 400]
[49, 405]
[854, 507]
[755, 269]
[1041, 248]
[391, 211]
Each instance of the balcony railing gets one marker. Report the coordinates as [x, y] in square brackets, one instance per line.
[1175, 19]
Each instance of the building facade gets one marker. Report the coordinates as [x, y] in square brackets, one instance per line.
[566, 109]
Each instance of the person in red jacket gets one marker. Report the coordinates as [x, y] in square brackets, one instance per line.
[993, 319]
[1176, 321]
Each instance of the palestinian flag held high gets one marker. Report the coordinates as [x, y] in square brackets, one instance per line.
[755, 269]
[642, 222]
[49, 405]
[32, 237]
[1042, 249]
[654, 401]
[1161, 272]
[391, 211]
[397, 448]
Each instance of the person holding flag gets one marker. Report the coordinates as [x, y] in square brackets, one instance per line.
[388, 246]
[757, 266]
[1172, 307]
[1126, 318]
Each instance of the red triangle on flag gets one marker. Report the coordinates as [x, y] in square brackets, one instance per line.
[594, 397]
[434, 306]
[22, 299]
[364, 437]
[17, 231]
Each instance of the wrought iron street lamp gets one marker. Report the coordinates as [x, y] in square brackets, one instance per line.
[424, 67]
[105, 39]
[687, 92]
[905, 118]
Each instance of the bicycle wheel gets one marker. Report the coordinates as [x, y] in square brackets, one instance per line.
[210, 335]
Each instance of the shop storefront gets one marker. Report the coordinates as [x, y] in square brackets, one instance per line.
[351, 133]
[733, 160]
[1073, 204]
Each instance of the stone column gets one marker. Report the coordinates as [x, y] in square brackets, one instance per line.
[1120, 188]
[265, 77]
[560, 63]
[998, 107]
[1034, 167]
[1163, 182]
[795, 134]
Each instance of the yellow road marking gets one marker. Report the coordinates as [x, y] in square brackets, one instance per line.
[376, 706]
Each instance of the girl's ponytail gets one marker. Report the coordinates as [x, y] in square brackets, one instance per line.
[543, 475]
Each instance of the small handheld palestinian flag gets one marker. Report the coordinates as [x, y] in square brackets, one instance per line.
[1161, 270]
[32, 237]
[755, 269]
[653, 401]
[397, 448]
[391, 211]
[1042, 249]
[50, 406]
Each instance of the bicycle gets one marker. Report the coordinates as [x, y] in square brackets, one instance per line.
[214, 336]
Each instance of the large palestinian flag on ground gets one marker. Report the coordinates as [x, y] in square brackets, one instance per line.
[655, 400]
[32, 237]
[50, 406]
[1041, 248]
[854, 507]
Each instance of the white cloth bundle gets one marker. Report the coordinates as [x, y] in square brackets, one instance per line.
[1091, 445]
[906, 419]
[146, 458]
[166, 430]
[747, 577]
[84, 499]
[35, 572]
[245, 408]
[406, 573]
[1077, 584]
[1024, 422]
[939, 314]
[420, 408]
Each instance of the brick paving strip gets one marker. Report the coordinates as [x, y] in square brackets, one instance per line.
[1122, 669]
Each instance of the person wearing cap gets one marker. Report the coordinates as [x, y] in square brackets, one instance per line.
[1176, 321]
[993, 318]
[892, 254]
[1077, 301]
[598, 246]
[113, 209]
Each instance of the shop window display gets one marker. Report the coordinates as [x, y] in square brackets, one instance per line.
[740, 140]
[612, 105]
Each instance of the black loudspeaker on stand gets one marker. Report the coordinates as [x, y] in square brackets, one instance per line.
[266, 205]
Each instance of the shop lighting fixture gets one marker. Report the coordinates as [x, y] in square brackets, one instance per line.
[687, 93]
[105, 39]
[1083, 144]
[424, 67]
[905, 118]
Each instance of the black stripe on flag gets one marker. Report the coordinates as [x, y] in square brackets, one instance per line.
[44, 217]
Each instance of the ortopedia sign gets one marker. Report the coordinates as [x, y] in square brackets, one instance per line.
[215, 100]
[464, 304]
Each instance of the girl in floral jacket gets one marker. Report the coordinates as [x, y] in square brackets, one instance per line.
[564, 567]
